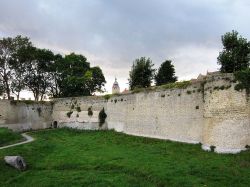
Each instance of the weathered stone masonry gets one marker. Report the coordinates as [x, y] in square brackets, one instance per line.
[209, 111]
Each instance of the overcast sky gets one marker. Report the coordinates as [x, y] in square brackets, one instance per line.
[112, 33]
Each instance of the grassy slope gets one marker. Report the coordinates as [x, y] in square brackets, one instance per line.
[105, 158]
[8, 137]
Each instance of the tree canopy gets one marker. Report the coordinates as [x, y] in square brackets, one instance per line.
[23, 66]
[235, 55]
[141, 74]
[165, 74]
[77, 77]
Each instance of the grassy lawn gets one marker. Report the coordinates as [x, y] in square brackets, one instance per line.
[8, 137]
[66, 157]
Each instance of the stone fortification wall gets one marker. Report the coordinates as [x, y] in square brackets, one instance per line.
[175, 114]
[21, 116]
[226, 115]
[78, 112]
[209, 111]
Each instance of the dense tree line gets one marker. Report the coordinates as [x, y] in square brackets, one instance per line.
[24, 66]
[142, 73]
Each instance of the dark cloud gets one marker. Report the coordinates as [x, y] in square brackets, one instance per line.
[113, 33]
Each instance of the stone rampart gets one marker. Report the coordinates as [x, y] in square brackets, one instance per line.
[209, 111]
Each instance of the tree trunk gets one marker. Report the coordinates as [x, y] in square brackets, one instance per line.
[7, 88]
[36, 95]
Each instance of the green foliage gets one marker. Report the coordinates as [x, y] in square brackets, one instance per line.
[77, 78]
[8, 137]
[12, 68]
[72, 106]
[23, 66]
[165, 74]
[182, 85]
[175, 85]
[90, 112]
[189, 92]
[212, 148]
[107, 96]
[30, 102]
[244, 80]
[102, 117]
[78, 109]
[141, 74]
[236, 53]
[69, 114]
[69, 157]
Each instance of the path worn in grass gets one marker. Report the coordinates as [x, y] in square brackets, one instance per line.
[8, 137]
[105, 158]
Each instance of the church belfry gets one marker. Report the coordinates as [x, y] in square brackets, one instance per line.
[115, 87]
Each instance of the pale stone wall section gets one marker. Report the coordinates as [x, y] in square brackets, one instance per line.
[21, 116]
[79, 120]
[226, 116]
[170, 114]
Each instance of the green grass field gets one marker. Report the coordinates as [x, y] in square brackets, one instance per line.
[64, 157]
[8, 137]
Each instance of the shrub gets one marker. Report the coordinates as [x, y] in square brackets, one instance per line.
[90, 112]
[212, 148]
[189, 92]
[78, 109]
[69, 114]
[102, 117]
[244, 80]
[107, 96]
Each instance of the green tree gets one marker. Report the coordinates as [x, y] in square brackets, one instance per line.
[165, 74]
[56, 70]
[244, 80]
[38, 78]
[142, 73]
[19, 66]
[235, 55]
[75, 77]
[9, 48]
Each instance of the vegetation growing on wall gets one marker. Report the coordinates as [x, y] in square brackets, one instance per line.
[244, 80]
[31, 102]
[69, 114]
[90, 112]
[39, 110]
[78, 109]
[102, 117]
[235, 55]
[175, 85]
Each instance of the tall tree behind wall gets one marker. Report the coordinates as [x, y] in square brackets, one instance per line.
[38, 78]
[235, 55]
[165, 74]
[9, 48]
[141, 74]
[77, 78]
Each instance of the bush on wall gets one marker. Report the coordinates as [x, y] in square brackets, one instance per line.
[90, 112]
[244, 80]
[102, 117]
